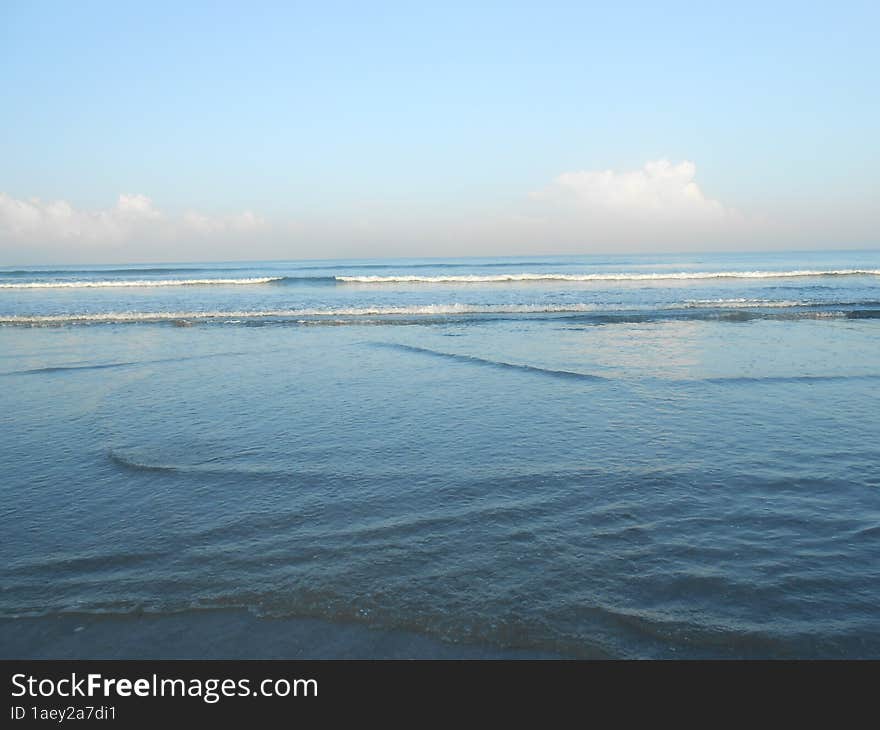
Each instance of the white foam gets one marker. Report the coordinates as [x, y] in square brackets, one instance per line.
[743, 303]
[134, 283]
[325, 315]
[500, 278]
[429, 309]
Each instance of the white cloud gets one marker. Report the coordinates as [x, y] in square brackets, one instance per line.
[213, 225]
[657, 206]
[660, 190]
[134, 217]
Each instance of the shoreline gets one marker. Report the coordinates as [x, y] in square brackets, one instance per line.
[225, 634]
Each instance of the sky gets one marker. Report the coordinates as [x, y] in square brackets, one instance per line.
[168, 131]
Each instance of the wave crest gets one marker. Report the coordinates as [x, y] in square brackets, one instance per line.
[136, 283]
[715, 309]
[683, 275]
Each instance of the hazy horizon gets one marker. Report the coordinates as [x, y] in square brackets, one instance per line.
[546, 257]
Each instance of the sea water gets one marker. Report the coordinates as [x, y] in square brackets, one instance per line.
[666, 456]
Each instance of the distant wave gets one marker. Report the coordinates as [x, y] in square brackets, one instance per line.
[445, 265]
[133, 283]
[744, 303]
[864, 314]
[100, 272]
[329, 266]
[723, 309]
[501, 278]
[399, 279]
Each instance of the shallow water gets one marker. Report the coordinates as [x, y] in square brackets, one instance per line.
[587, 467]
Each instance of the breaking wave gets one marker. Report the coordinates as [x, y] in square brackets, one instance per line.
[725, 310]
[416, 279]
[100, 272]
[428, 309]
[501, 278]
[134, 283]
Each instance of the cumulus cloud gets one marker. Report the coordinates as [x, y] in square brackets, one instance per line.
[134, 217]
[660, 189]
[661, 201]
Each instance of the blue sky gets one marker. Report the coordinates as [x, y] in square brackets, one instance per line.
[432, 128]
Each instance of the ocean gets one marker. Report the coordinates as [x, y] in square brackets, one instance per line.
[594, 456]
